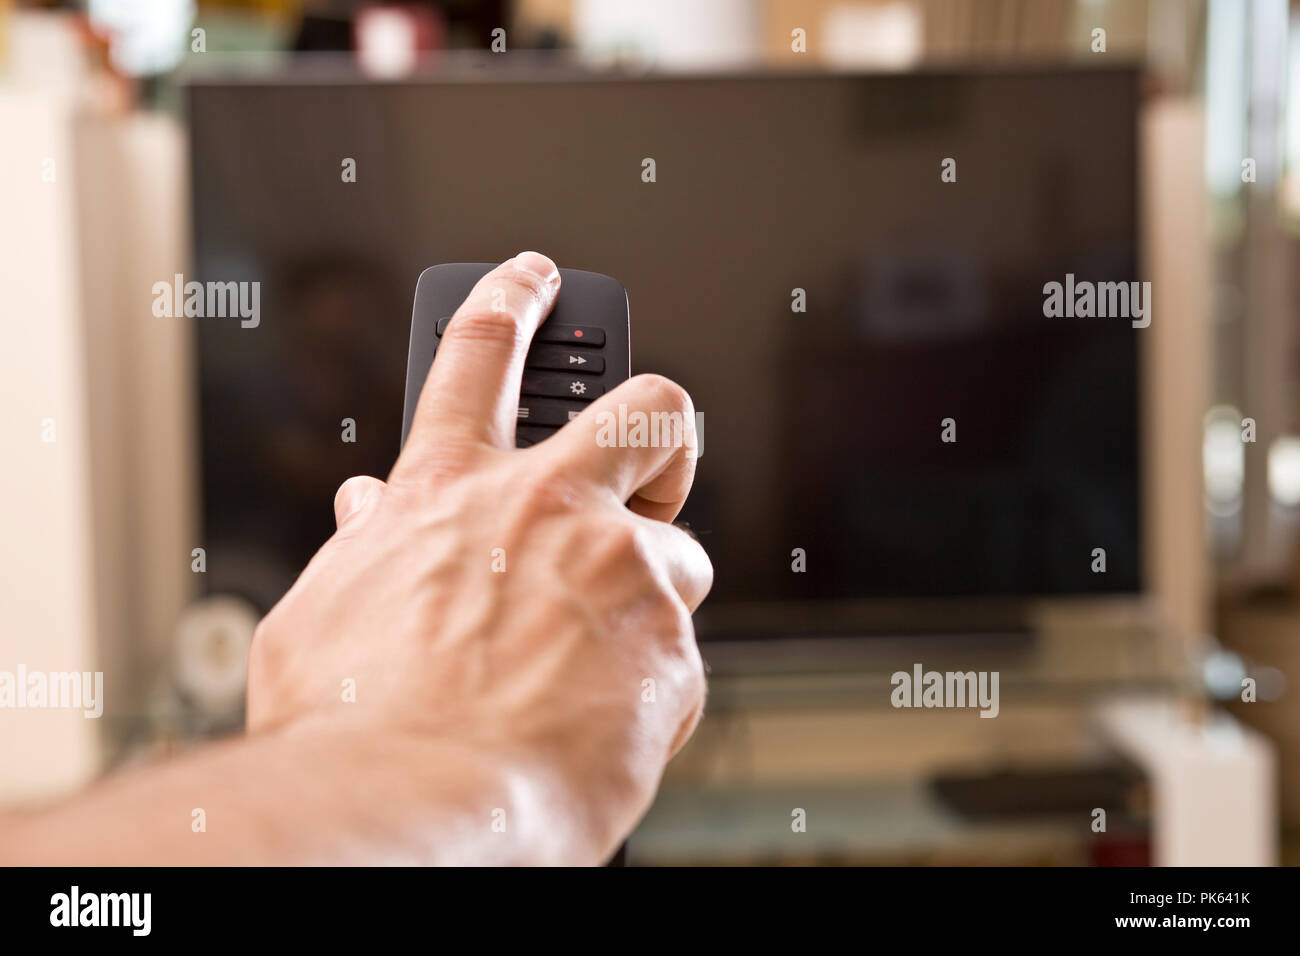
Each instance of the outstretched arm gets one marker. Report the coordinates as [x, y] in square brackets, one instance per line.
[498, 715]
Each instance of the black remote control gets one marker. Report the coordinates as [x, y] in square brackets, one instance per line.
[580, 352]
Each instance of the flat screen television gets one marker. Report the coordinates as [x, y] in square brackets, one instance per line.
[800, 262]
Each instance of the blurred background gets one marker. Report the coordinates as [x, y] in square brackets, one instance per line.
[827, 285]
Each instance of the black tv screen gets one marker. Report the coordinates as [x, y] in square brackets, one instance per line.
[800, 263]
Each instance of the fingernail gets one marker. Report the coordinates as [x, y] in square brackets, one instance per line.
[538, 265]
[360, 505]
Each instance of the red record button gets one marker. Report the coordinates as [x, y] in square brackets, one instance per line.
[570, 335]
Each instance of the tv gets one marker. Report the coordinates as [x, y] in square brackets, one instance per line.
[846, 271]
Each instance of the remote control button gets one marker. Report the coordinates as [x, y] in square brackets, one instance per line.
[553, 334]
[529, 435]
[542, 412]
[570, 335]
[557, 385]
[566, 360]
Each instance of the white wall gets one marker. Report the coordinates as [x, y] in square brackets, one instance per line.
[96, 526]
[46, 581]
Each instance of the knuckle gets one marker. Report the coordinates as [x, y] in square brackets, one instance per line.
[695, 689]
[419, 471]
[701, 563]
[546, 496]
[623, 554]
[688, 684]
[698, 682]
[619, 546]
[536, 503]
[668, 618]
[706, 568]
[485, 325]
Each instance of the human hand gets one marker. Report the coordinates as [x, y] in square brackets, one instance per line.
[509, 604]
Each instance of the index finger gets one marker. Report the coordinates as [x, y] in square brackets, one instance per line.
[472, 392]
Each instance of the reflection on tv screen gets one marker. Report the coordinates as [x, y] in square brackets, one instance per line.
[865, 336]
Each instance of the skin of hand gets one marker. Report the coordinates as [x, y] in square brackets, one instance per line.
[512, 601]
[496, 614]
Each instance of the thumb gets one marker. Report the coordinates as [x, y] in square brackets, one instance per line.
[353, 495]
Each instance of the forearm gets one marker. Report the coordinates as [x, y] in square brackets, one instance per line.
[306, 796]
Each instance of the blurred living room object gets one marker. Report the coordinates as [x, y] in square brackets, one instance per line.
[391, 38]
[1262, 631]
[1213, 782]
[97, 475]
[873, 36]
[1164, 34]
[146, 37]
[670, 34]
[201, 693]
